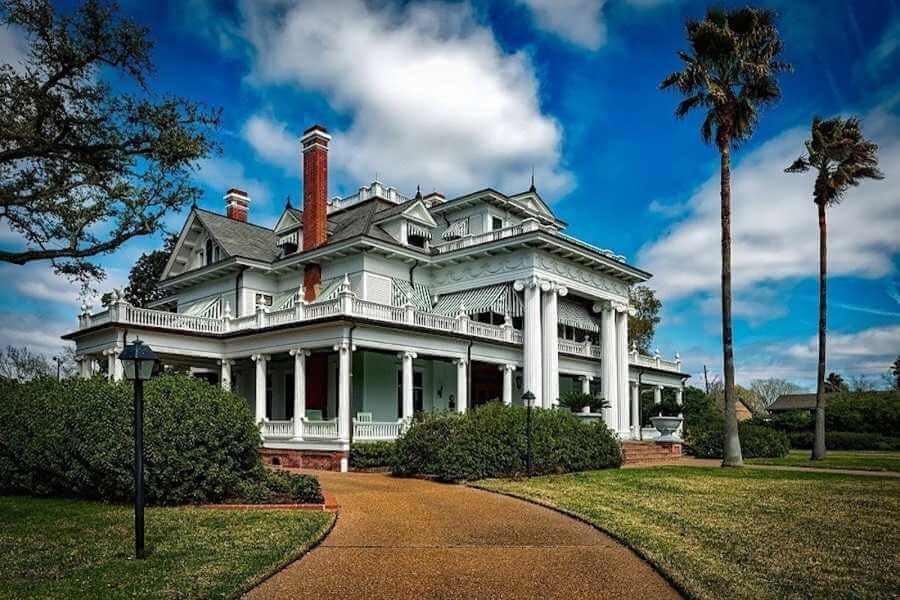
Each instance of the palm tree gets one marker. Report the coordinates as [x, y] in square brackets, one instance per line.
[842, 158]
[730, 73]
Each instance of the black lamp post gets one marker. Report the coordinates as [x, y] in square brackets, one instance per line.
[528, 398]
[138, 361]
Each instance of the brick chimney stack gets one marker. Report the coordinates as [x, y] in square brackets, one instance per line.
[314, 144]
[237, 204]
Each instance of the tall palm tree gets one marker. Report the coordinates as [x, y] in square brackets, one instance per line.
[842, 158]
[730, 73]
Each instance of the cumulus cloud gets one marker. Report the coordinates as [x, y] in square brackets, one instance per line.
[39, 333]
[431, 97]
[867, 352]
[774, 222]
[37, 281]
[220, 174]
[273, 142]
[579, 22]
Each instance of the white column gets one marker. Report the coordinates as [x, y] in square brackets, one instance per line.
[508, 371]
[610, 377]
[260, 397]
[635, 411]
[406, 359]
[657, 398]
[585, 383]
[343, 349]
[225, 375]
[622, 367]
[114, 368]
[679, 400]
[299, 399]
[85, 366]
[550, 343]
[462, 385]
[531, 373]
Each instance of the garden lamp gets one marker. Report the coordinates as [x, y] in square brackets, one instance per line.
[528, 399]
[138, 361]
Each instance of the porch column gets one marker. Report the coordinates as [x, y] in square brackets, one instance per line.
[406, 359]
[679, 400]
[622, 366]
[657, 397]
[115, 371]
[261, 361]
[550, 339]
[610, 376]
[299, 398]
[585, 383]
[508, 371]
[462, 385]
[85, 365]
[531, 350]
[225, 376]
[635, 411]
[343, 349]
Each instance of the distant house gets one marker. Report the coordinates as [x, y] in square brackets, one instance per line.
[788, 402]
[742, 410]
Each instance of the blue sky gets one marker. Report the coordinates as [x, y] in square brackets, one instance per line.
[463, 95]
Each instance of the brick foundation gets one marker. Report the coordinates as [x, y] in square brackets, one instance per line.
[319, 460]
[650, 452]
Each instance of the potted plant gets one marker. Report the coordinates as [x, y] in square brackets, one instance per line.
[583, 403]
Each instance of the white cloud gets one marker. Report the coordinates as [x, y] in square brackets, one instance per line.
[272, 142]
[431, 96]
[220, 174]
[579, 22]
[38, 332]
[13, 47]
[885, 53]
[867, 352]
[37, 281]
[774, 222]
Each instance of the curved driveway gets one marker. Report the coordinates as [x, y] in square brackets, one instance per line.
[407, 538]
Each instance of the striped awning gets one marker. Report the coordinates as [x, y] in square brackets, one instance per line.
[418, 231]
[457, 229]
[500, 299]
[418, 293]
[577, 315]
[329, 290]
[285, 299]
[209, 308]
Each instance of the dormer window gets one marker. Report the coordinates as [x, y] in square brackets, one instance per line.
[496, 223]
[417, 236]
[209, 251]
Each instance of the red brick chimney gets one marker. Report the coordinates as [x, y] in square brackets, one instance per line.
[237, 204]
[314, 144]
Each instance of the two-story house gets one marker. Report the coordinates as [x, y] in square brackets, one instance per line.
[353, 313]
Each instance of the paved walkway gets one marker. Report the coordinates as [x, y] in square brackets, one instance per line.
[716, 463]
[406, 538]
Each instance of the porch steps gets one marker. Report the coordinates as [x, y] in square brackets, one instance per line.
[635, 453]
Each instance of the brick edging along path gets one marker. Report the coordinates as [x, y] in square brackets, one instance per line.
[410, 538]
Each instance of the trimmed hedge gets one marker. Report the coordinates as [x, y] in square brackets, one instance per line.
[490, 441]
[372, 455]
[756, 441]
[846, 440]
[75, 438]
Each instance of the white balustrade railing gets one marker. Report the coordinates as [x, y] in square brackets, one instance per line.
[377, 430]
[655, 362]
[278, 429]
[375, 310]
[169, 320]
[494, 332]
[319, 310]
[320, 430]
[481, 238]
[573, 347]
[433, 321]
[278, 317]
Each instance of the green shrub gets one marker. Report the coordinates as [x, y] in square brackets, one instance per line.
[75, 438]
[490, 441]
[372, 455]
[846, 440]
[275, 487]
[576, 401]
[756, 441]
[864, 412]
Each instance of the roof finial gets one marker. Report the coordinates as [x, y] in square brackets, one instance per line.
[532, 188]
[287, 202]
[418, 195]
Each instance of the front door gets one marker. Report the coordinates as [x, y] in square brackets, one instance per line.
[487, 383]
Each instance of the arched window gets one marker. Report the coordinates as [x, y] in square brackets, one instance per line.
[209, 251]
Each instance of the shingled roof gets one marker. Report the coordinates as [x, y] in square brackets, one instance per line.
[787, 402]
[238, 238]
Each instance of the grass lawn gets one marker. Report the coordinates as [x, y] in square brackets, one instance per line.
[52, 548]
[837, 459]
[728, 533]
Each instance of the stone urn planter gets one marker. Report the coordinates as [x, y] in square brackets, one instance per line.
[666, 426]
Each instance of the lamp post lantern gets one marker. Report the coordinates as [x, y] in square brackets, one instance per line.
[528, 398]
[138, 360]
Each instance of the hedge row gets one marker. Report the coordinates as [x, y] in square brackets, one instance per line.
[846, 440]
[491, 441]
[75, 438]
[756, 441]
[372, 455]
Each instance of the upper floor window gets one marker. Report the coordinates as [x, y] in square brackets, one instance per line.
[209, 251]
[263, 300]
[496, 223]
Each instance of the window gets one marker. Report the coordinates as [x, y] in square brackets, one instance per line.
[496, 223]
[208, 251]
[418, 391]
[263, 299]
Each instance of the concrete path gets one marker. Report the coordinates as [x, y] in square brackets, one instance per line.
[406, 538]
[717, 463]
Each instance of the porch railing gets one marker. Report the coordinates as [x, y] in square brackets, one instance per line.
[320, 430]
[377, 430]
[278, 429]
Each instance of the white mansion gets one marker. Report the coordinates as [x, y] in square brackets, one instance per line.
[353, 313]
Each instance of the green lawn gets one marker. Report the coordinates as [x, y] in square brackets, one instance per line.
[53, 548]
[750, 533]
[837, 459]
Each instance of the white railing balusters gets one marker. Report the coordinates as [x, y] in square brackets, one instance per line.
[320, 430]
[377, 430]
[278, 429]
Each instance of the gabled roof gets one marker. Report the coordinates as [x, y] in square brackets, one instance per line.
[238, 238]
[532, 201]
[795, 402]
[289, 218]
